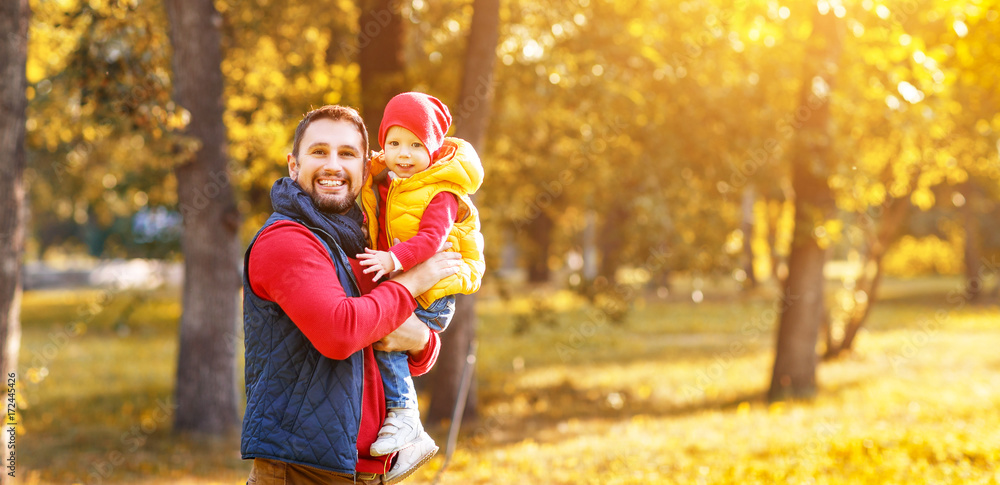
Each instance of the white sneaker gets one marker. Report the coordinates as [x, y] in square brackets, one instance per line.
[402, 428]
[411, 458]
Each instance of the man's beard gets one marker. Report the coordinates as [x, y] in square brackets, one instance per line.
[332, 204]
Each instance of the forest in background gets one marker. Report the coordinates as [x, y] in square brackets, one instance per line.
[626, 144]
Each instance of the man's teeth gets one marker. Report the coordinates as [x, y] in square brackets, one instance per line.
[331, 183]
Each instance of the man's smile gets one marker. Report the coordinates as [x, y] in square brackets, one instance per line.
[330, 182]
[327, 183]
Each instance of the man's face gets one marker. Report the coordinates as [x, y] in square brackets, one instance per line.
[330, 164]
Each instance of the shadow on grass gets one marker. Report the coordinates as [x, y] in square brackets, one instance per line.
[119, 438]
[556, 405]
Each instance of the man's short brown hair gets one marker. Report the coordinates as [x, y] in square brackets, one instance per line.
[334, 113]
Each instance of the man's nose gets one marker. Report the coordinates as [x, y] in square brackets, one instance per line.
[333, 162]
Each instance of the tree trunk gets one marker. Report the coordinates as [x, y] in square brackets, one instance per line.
[794, 373]
[773, 218]
[973, 243]
[590, 260]
[380, 57]
[509, 252]
[749, 197]
[859, 317]
[540, 231]
[471, 119]
[609, 240]
[14, 16]
[205, 389]
[889, 229]
[795, 358]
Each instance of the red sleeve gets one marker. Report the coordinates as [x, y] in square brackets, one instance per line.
[289, 266]
[420, 364]
[434, 227]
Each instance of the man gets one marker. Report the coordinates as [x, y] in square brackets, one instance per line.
[314, 394]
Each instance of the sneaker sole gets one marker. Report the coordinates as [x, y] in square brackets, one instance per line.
[406, 445]
[423, 460]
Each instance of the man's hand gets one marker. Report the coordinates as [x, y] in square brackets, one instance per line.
[378, 262]
[412, 336]
[423, 276]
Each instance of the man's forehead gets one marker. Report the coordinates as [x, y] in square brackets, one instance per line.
[332, 132]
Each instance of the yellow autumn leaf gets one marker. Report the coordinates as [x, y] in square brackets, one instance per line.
[923, 198]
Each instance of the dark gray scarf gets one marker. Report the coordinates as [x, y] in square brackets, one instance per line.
[289, 199]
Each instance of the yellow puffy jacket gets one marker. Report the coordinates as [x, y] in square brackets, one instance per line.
[457, 169]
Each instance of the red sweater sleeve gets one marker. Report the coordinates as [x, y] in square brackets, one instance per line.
[435, 224]
[290, 267]
[422, 363]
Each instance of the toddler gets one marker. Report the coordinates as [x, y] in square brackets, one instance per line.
[418, 194]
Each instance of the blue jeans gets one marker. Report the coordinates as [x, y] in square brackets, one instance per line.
[396, 380]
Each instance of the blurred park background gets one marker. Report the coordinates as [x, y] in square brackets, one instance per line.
[728, 242]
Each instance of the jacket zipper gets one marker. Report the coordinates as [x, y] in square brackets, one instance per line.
[354, 285]
[378, 209]
[388, 196]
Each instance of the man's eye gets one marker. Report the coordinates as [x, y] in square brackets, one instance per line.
[348, 154]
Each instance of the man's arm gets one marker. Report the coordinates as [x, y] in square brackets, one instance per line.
[290, 267]
[414, 338]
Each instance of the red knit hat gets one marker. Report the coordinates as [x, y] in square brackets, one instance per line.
[424, 115]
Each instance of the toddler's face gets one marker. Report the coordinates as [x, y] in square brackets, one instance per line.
[405, 154]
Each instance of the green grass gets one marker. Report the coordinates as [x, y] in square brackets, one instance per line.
[97, 374]
[673, 395]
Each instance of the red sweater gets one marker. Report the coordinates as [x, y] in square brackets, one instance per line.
[290, 267]
[435, 224]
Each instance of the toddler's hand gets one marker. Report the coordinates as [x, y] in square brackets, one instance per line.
[378, 262]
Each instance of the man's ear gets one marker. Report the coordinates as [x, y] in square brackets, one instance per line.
[293, 167]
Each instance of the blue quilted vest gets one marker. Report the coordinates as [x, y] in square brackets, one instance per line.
[302, 407]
